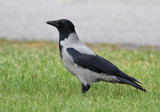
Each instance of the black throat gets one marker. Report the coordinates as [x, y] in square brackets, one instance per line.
[61, 38]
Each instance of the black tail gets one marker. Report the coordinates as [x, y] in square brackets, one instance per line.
[124, 75]
[132, 83]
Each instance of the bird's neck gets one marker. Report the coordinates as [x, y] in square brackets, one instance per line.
[64, 36]
[67, 40]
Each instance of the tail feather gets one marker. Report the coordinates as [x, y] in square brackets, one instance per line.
[124, 75]
[126, 81]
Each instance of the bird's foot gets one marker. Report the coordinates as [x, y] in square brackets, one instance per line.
[85, 88]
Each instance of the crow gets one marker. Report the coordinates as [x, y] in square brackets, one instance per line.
[81, 61]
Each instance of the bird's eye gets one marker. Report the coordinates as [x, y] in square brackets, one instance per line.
[60, 23]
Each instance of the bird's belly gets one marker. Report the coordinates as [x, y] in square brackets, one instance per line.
[84, 75]
[87, 76]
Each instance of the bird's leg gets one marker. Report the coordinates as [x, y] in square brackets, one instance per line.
[85, 88]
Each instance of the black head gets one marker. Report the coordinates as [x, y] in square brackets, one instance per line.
[64, 26]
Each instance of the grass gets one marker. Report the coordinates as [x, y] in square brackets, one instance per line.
[33, 79]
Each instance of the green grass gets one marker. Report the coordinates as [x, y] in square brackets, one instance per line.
[33, 79]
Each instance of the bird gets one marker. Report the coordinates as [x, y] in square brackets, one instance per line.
[82, 62]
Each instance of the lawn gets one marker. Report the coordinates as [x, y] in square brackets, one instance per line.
[33, 79]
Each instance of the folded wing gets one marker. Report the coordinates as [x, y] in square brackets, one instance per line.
[97, 64]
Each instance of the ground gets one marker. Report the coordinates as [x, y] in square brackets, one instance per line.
[32, 78]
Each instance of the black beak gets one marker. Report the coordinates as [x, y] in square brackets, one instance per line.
[53, 23]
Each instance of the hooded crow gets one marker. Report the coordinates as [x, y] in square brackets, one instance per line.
[81, 61]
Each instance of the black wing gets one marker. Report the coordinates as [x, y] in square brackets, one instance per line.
[97, 64]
